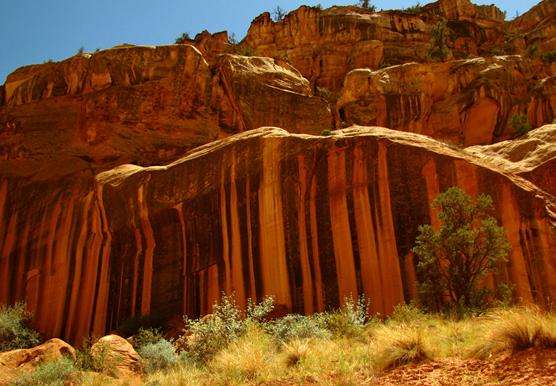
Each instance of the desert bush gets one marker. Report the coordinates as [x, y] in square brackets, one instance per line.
[407, 313]
[549, 57]
[158, 355]
[48, 373]
[367, 5]
[453, 260]
[183, 38]
[350, 320]
[296, 326]
[399, 346]
[14, 328]
[249, 359]
[438, 50]
[326, 132]
[520, 123]
[414, 9]
[278, 13]
[516, 329]
[147, 336]
[204, 337]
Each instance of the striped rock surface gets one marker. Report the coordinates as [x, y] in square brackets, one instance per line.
[307, 219]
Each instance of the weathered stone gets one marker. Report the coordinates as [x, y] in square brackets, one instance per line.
[117, 357]
[466, 102]
[15, 362]
[532, 156]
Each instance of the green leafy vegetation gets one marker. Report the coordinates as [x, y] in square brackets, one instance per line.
[453, 260]
[183, 38]
[520, 124]
[51, 373]
[415, 9]
[278, 14]
[326, 132]
[14, 328]
[367, 5]
[549, 57]
[438, 50]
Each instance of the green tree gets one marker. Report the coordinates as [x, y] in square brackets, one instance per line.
[366, 4]
[278, 13]
[453, 259]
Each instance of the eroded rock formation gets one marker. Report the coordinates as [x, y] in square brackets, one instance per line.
[94, 231]
[307, 219]
[470, 101]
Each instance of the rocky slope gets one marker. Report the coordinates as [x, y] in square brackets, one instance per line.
[109, 209]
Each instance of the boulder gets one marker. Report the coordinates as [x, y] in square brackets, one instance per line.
[117, 357]
[14, 362]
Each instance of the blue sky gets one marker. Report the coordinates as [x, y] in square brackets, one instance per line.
[32, 31]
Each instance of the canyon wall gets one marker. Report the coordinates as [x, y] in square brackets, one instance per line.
[137, 181]
[309, 220]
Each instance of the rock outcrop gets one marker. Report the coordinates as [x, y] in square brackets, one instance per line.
[532, 156]
[15, 362]
[144, 105]
[137, 181]
[117, 357]
[470, 101]
[325, 44]
[308, 219]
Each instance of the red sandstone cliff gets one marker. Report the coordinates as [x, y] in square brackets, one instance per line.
[93, 230]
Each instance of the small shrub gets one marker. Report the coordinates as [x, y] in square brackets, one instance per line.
[80, 51]
[294, 326]
[438, 50]
[14, 330]
[520, 124]
[367, 5]
[400, 346]
[147, 336]
[350, 320]
[414, 9]
[157, 356]
[183, 38]
[48, 373]
[326, 132]
[278, 14]
[295, 351]
[204, 337]
[407, 313]
[549, 57]
[515, 330]
[250, 359]
[242, 49]
[533, 50]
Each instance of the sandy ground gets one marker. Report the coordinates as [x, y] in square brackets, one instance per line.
[529, 367]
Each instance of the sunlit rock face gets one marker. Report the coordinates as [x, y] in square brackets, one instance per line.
[467, 102]
[325, 44]
[309, 220]
[138, 181]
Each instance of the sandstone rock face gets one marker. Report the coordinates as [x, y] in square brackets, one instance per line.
[307, 219]
[532, 156]
[326, 44]
[467, 102]
[16, 361]
[94, 231]
[117, 357]
[143, 105]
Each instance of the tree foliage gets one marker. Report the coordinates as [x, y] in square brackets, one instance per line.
[278, 13]
[367, 5]
[454, 258]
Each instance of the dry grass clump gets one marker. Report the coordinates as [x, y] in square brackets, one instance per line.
[516, 329]
[400, 345]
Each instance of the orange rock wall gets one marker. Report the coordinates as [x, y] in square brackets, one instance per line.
[309, 220]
